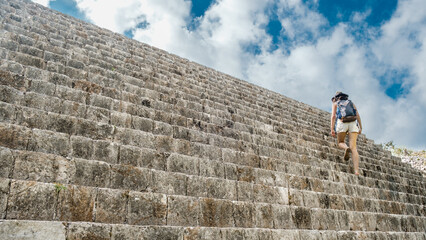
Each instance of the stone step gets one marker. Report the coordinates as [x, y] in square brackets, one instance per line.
[51, 119]
[229, 182]
[45, 120]
[80, 116]
[29, 200]
[11, 229]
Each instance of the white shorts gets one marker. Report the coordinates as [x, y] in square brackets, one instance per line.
[347, 126]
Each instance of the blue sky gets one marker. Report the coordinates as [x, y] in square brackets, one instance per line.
[304, 49]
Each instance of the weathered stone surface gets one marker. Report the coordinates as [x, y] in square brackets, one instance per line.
[81, 147]
[49, 142]
[301, 217]
[111, 206]
[6, 162]
[131, 178]
[105, 151]
[125, 232]
[75, 203]
[147, 209]
[14, 137]
[200, 233]
[211, 168]
[216, 213]
[93, 231]
[4, 192]
[245, 191]
[183, 211]
[32, 230]
[169, 183]
[282, 217]
[42, 167]
[244, 215]
[183, 164]
[264, 217]
[166, 233]
[31, 201]
[91, 173]
[286, 235]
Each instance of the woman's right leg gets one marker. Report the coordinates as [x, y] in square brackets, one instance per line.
[341, 143]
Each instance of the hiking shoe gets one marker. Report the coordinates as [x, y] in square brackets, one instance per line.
[347, 151]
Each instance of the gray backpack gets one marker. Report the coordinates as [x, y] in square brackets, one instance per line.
[346, 111]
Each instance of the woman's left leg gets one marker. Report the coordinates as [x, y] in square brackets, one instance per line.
[355, 156]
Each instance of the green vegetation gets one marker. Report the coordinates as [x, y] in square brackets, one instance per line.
[403, 151]
[59, 187]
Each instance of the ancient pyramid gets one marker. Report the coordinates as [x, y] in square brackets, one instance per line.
[104, 137]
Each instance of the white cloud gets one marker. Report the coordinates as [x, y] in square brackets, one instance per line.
[42, 2]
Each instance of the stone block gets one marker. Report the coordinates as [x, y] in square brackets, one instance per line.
[282, 234]
[329, 235]
[348, 203]
[231, 172]
[164, 144]
[147, 209]
[75, 203]
[131, 178]
[269, 194]
[123, 120]
[49, 142]
[301, 217]
[134, 138]
[25, 230]
[324, 219]
[206, 151]
[310, 199]
[42, 167]
[336, 202]
[161, 128]
[183, 164]
[216, 213]
[14, 81]
[211, 168]
[347, 235]
[97, 114]
[11, 95]
[295, 197]
[182, 211]
[105, 151]
[370, 221]
[244, 214]
[14, 137]
[42, 87]
[95, 231]
[234, 233]
[264, 217]
[125, 232]
[4, 192]
[31, 201]
[143, 124]
[310, 235]
[6, 162]
[282, 217]
[169, 183]
[111, 206]
[81, 147]
[245, 191]
[33, 118]
[280, 179]
[91, 173]
[200, 233]
[7, 112]
[166, 233]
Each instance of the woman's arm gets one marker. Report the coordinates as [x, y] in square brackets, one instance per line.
[358, 118]
[333, 119]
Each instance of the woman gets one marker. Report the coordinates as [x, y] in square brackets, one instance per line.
[344, 128]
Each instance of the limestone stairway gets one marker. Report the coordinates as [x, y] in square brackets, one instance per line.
[104, 137]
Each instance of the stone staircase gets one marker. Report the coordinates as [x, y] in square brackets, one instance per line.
[104, 137]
